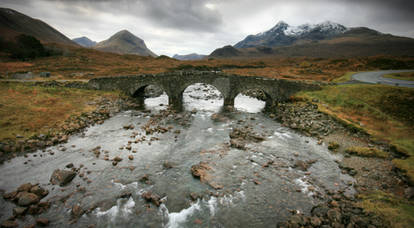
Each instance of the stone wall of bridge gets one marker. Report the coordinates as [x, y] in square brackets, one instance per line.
[174, 84]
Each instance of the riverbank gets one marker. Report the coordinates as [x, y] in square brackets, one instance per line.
[372, 130]
[41, 114]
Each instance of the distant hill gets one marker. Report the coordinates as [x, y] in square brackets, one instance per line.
[325, 40]
[226, 51]
[125, 42]
[84, 41]
[13, 23]
[193, 56]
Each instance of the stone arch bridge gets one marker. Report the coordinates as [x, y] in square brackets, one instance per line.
[175, 83]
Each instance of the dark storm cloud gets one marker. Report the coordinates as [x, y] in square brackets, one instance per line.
[181, 14]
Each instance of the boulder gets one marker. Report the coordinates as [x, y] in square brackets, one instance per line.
[27, 198]
[301, 165]
[62, 177]
[24, 187]
[42, 221]
[39, 191]
[19, 210]
[152, 197]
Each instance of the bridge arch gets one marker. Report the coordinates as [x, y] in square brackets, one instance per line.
[269, 94]
[203, 96]
[146, 90]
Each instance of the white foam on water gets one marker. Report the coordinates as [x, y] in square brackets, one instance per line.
[120, 209]
[304, 186]
[130, 204]
[212, 204]
[175, 219]
[210, 130]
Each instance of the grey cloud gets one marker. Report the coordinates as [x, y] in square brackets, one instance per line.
[174, 26]
[183, 14]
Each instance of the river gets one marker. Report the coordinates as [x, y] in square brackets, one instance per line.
[258, 186]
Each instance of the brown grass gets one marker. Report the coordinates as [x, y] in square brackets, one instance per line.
[27, 110]
[81, 63]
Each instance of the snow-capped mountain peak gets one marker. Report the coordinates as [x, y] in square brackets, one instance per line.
[284, 34]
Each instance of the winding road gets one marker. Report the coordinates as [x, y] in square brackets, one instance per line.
[376, 77]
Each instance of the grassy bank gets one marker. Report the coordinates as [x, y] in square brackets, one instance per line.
[26, 110]
[396, 211]
[344, 78]
[385, 112]
[401, 76]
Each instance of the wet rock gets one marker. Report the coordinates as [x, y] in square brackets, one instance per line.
[333, 146]
[42, 221]
[151, 197]
[70, 165]
[77, 211]
[127, 127]
[194, 196]
[26, 199]
[145, 179]
[19, 211]
[167, 165]
[201, 171]
[39, 191]
[9, 224]
[301, 165]
[267, 164]
[130, 157]
[10, 195]
[333, 215]
[238, 144]
[24, 187]
[62, 177]
[117, 159]
[315, 221]
[114, 163]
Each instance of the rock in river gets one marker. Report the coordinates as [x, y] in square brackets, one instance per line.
[62, 177]
[26, 198]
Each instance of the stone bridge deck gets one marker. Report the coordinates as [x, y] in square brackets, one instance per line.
[175, 83]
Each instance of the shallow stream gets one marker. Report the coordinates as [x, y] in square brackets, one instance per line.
[255, 187]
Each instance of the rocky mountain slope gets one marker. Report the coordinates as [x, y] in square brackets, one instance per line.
[324, 40]
[13, 23]
[192, 56]
[283, 34]
[84, 41]
[125, 42]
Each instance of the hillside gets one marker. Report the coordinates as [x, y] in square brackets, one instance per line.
[324, 40]
[84, 41]
[125, 42]
[13, 23]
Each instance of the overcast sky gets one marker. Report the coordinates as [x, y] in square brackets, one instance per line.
[185, 26]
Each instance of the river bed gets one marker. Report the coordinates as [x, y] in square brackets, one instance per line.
[257, 186]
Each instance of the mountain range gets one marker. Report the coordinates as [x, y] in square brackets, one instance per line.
[192, 56]
[327, 39]
[84, 42]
